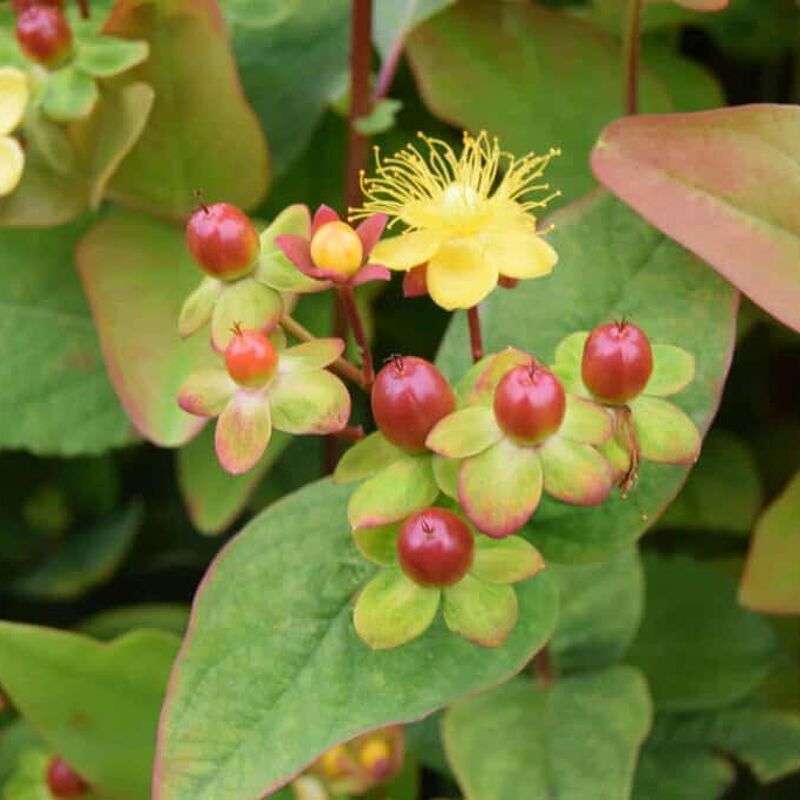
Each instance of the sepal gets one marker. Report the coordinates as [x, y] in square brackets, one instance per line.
[199, 306]
[508, 560]
[243, 431]
[309, 402]
[366, 457]
[483, 613]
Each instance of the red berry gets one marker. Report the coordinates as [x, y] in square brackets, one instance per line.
[222, 240]
[21, 5]
[409, 397]
[251, 358]
[63, 781]
[617, 362]
[435, 547]
[44, 34]
[529, 403]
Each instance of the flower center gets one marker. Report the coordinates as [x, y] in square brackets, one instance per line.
[337, 247]
[461, 206]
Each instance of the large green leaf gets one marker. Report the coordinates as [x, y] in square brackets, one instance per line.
[55, 397]
[675, 171]
[575, 740]
[292, 69]
[213, 496]
[670, 771]
[274, 614]
[771, 580]
[530, 69]
[600, 609]
[95, 704]
[137, 273]
[85, 559]
[612, 264]
[201, 133]
[698, 648]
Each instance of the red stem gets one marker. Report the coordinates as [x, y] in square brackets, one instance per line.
[543, 667]
[352, 433]
[475, 339]
[360, 100]
[83, 6]
[353, 315]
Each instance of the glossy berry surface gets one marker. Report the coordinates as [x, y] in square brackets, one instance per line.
[223, 241]
[409, 397]
[250, 358]
[529, 403]
[44, 34]
[617, 362]
[435, 547]
[337, 247]
[63, 781]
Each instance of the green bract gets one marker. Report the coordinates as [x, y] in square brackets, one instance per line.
[482, 607]
[500, 481]
[300, 398]
[649, 427]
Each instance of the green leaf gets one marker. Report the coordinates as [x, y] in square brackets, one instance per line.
[107, 56]
[275, 614]
[505, 560]
[483, 613]
[136, 272]
[378, 545]
[392, 610]
[501, 507]
[214, 497]
[585, 421]
[198, 307]
[113, 622]
[84, 560]
[600, 610]
[309, 402]
[69, 94]
[723, 493]
[698, 648]
[394, 21]
[265, 14]
[575, 740]
[683, 185]
[664, 773]
[464, 433]
[247, 302]
[771, 581]
[618, 265]
[673, 370]
[243, 431]
[382, 118]
[665, 433]
[405, 486]
[55, 397]
[574, 472]
[291, 69]
[201, 133]
[366, 457]
[95, 704]
[527, 68]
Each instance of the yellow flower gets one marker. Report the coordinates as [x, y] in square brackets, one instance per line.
[468, 217]
[13, 100]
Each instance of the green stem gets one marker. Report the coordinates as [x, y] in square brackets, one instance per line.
[632, 46]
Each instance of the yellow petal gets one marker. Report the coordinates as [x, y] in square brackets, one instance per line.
[520, 254]
[12, 162]
[459, 275]
[13, 98]
[406, 251]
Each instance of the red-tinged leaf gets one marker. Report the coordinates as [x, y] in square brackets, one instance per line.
[202, 134]
[137, 272]
[771, 580]
[723, 184]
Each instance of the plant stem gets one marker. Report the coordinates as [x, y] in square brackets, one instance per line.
[543, 667]
[351, 433]
[632, 46]
[341, 365]
[83, 7]
[354, 318]
[360, 100]
[475, 338]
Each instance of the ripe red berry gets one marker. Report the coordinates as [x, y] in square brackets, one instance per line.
[435, 547]
[44, 34]
[251, 358]
[529, 403]
[21, 5]
[222, 240]
[409, 397]
[617, 362]
[63, 781]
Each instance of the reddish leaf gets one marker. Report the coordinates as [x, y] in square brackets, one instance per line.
[724, 184]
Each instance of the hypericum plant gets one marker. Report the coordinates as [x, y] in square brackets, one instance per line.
[513, 429]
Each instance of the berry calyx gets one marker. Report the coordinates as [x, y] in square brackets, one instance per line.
[529, 403]
[435, 547]
[337, 247]
[223, 241]
[617, 362]
[63, 781]
[44, 34]
[409, 397]
[250, 358]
